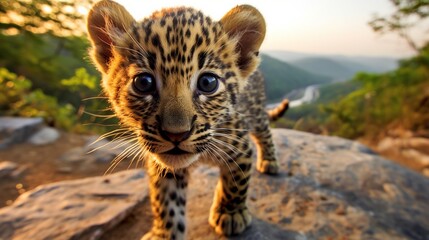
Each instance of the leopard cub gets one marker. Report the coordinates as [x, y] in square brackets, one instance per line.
[187, 88]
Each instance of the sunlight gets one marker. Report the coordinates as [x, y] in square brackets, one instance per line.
[172, 109]
[82, 10]
[277, 20]
[46, 9]
[336, 27]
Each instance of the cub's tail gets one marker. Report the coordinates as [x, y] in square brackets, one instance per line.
[278, 111]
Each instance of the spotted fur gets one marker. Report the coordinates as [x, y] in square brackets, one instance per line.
[176, 123]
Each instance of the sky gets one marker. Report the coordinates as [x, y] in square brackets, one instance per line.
[310, 26]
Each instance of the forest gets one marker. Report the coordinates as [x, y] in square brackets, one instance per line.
[45, 72]
[371, 106]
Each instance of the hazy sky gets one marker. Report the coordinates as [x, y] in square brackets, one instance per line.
[311, 26]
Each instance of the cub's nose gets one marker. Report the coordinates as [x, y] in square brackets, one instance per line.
[175, 137]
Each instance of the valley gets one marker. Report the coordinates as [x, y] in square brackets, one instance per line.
[287, 73]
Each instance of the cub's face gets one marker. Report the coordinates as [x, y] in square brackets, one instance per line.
[173, 78]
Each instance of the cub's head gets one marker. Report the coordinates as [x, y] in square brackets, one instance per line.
[173, 78]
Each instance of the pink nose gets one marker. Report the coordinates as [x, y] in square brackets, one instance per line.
[177, 137]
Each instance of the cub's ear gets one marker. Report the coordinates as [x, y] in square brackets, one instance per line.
[107, 20]
[246, 24]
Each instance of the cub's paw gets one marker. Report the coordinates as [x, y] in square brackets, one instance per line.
[228, 224]
[267, 166]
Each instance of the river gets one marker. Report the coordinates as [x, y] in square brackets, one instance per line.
[311, 93]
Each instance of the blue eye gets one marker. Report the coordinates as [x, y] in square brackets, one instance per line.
[144, 83]
[208, 83]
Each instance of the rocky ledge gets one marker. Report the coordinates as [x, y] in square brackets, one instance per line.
[328, 188]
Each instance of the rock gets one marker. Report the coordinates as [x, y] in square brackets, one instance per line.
[44, 136]
[78, 209]
[409, 150]
[426, 172]
[16, 130]
[328, 188]
[7, 169]
[416, 156]
[95, 151]
[65, 169]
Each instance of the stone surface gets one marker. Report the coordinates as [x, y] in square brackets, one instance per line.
[79, 209]
[16, 130]
[408, 149]
[328, 188]
[7, 169]
[44, 136]
[95, 151]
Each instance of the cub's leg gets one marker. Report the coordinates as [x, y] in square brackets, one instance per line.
[261, 134]
[229, 214]
[168, 200]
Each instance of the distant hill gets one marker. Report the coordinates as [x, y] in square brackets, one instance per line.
[350, 65]
[281, 77]
[325, 67]
[369, 64]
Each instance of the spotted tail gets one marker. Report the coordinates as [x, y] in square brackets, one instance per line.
[278, 111]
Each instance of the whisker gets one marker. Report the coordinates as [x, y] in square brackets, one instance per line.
[231, 137]
[233, 129]
[100, 116]
[99, 124]
[224, 160]
[123, 155]
[116, 46]
[123, 141]
[229, 146]
[142, 157]
[94, 98]
[135, 41]
[136, 154]
[228, 156]
[109, 134]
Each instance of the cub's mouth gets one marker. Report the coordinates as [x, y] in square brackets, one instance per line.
[176, 151]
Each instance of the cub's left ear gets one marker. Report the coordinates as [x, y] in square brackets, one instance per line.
[247, 25]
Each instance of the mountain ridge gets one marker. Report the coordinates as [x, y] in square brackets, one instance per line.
[326, 67]
[282, 77]
[356, 63]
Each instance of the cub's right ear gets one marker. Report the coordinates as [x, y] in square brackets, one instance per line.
[106, 22]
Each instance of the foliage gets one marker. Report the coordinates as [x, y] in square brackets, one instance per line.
[81, 79]
[87, 88]
[59, 17]
[45, 59]
[370, 104]
[312, 117]
[408, 14]
[48, 73]
[17, 99]
[398, 98]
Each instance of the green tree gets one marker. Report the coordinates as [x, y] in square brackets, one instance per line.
[17, 99]
[60, 17]
[384, 101]
[42, 42]
[407, 15]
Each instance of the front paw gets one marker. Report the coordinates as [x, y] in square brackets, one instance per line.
[267, 166]
[228, 224]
